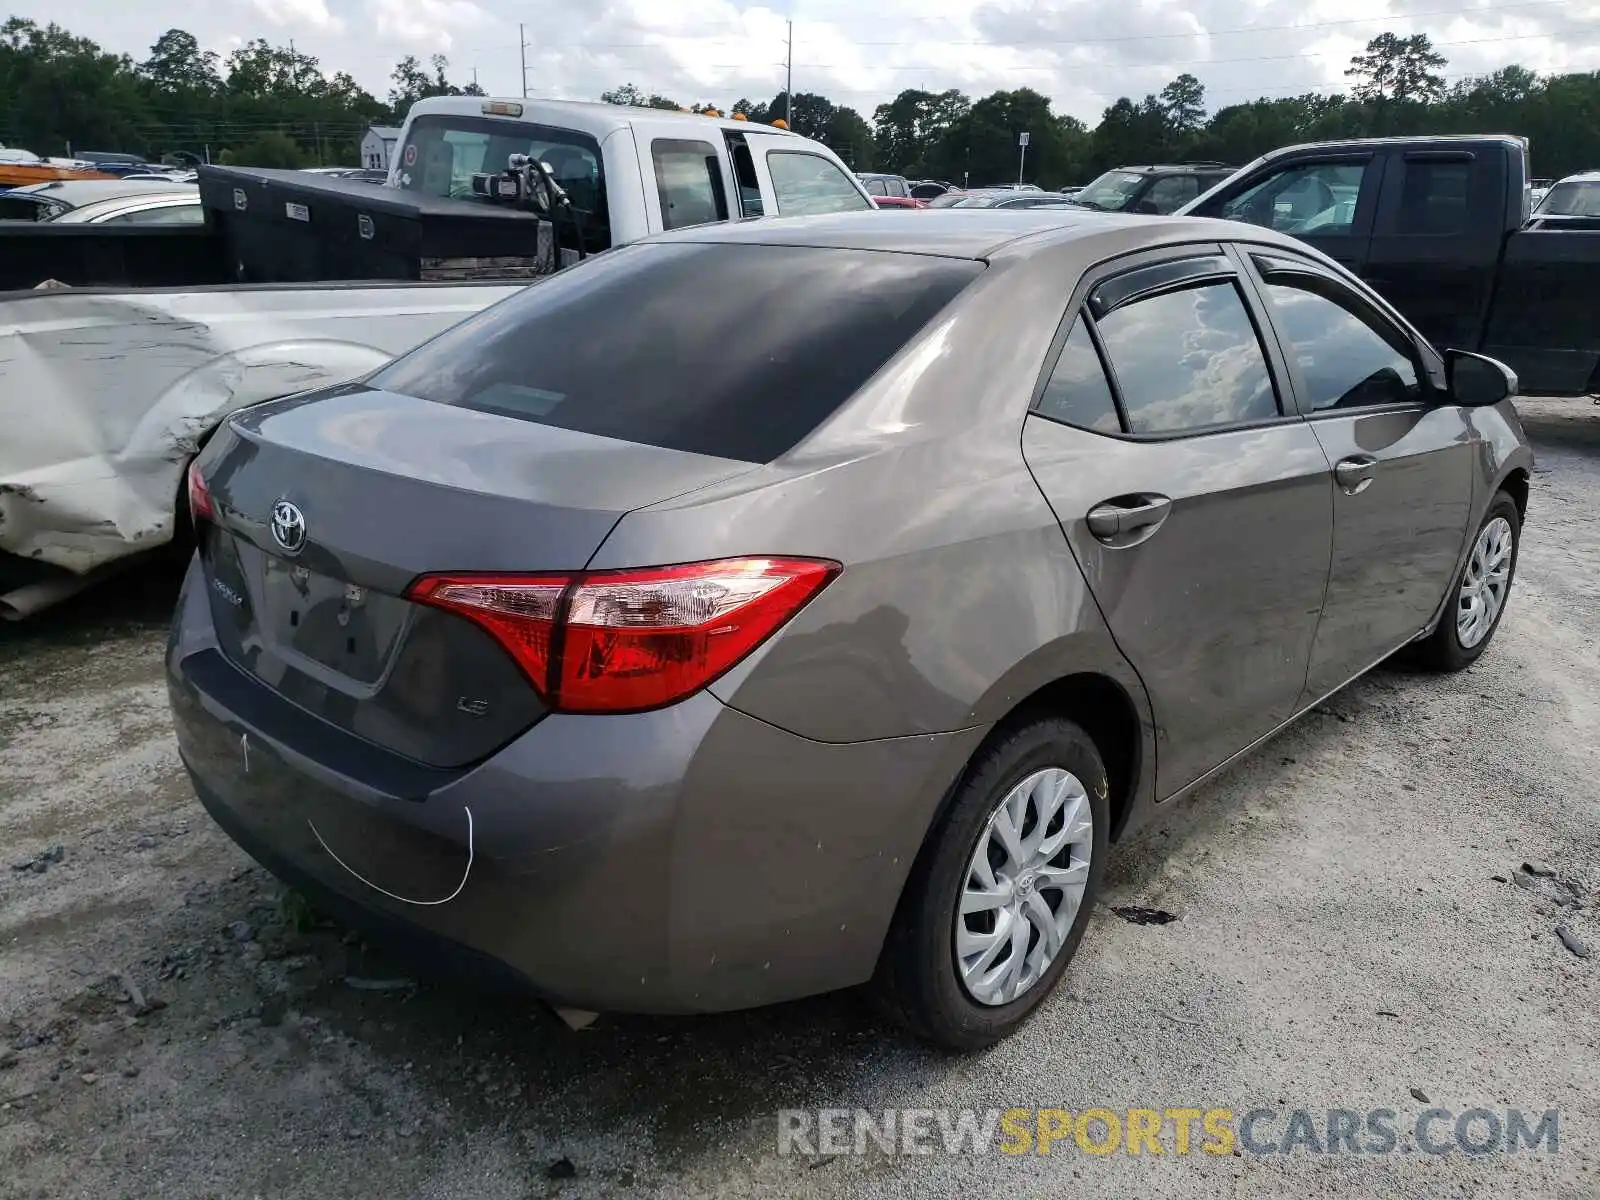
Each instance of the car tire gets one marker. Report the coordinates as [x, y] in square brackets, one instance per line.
[1444, 650]
[919, 980]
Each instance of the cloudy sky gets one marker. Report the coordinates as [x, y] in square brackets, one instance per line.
[1082, 53]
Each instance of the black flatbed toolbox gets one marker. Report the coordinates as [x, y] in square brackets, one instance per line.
[284, 226]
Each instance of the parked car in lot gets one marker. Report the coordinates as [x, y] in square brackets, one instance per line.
[583, 667]
[888, 191]
[1575, 196]
[126, 201]
[1153, 190]
[1435, 224]
[929, 189]
[1011, 198]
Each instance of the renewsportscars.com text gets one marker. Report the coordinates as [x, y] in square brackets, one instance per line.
[1165, 1131]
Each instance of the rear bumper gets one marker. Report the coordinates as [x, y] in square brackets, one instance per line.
[690, 859]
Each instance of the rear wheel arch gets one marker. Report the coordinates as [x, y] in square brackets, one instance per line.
[1516, 485]
[1098, 704]
[1104, 710]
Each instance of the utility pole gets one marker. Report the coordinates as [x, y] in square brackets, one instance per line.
[522, 37]
[788, 82]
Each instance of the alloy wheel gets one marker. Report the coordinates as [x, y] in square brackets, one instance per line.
[1024, 886]
[1484, 583]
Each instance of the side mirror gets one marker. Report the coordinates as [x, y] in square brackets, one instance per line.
[1476, 380]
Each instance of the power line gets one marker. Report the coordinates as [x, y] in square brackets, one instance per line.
[1179, 62]
[666, 37]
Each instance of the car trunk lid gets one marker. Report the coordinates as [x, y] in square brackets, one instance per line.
[329, 506]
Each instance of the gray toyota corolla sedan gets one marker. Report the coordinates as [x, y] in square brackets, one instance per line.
[772, 607]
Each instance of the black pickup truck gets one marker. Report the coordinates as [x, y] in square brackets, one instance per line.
[1436, 225]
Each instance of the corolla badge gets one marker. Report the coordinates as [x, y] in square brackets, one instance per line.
[288, 527]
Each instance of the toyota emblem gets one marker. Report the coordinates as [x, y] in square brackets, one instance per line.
[288, 527]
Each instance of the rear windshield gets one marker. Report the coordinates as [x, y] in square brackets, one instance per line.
[1580, 198]
[444, 151]
[733, 350]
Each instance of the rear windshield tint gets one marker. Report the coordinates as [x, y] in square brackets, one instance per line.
[733, 350]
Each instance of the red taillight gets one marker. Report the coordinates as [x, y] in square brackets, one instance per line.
[200, 506]
[625, 641]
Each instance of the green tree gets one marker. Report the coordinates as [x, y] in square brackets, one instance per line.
[850, 137]
[177, 66]
[983, 142]
[272, 149]
[910, 129]
[630, 95]
[410, 82]
[1398, 68]
[1183, 104]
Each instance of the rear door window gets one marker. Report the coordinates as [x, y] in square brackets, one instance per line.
[688, 182]
[1169, 194]
[807, 184]
[725, 349]
[1434, 197]
[1078, 393]
[1189, 360]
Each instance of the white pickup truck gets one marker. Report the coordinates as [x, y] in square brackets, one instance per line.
[106, 393]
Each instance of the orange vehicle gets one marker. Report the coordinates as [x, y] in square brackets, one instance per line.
[18, 174]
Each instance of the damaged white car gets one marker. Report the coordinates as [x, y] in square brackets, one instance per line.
[105, 396]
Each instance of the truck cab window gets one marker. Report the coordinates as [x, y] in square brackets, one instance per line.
[744, 176]
[1317, 198]
[689, 182]
[443, 151]
[1434, 197]
[806, 184]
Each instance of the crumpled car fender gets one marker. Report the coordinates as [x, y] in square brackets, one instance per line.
[104, 397]
[79, 513]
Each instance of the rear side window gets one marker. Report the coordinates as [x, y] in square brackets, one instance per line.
[876, 187]
[808, 184]
[1434, 197]
[1189, 360]
[1169, 194]
[1078, 393]
[689, 182]
[725, 349]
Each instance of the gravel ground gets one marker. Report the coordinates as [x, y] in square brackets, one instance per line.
[1349, 927]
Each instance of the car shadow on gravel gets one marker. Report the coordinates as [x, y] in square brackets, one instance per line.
[135, 601]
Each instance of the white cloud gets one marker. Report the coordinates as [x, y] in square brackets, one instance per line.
[1082, 53]
[299, 14]
[430, 24]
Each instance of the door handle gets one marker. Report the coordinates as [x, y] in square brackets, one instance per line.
[1127, 514]
[1355, 473]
